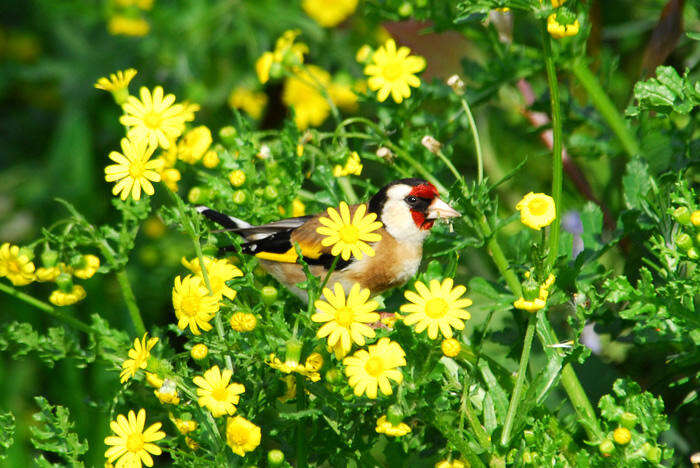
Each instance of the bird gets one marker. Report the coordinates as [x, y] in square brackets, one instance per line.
[407, 209]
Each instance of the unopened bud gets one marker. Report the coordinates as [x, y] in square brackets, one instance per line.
[682, 215]
[684, 241]
[385, 153]
[431, 144]
[457, 84]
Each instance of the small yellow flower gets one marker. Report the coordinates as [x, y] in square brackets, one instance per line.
[298, 208]
[153, 380]
[14, 264]
[450, 347]
[210, 159]
[622, 436]
[242, 435]
[352, 166]
[558, 31]
[91, 264]
[44, 274]
[191, 443]
[349, 237]
[134, 170]
[167, 393]
[243, 322]
[193, 305]
[219, 271]
[530, 306]
[392, 71]
[127, 26]
[450, 464]
[329, 13]
[185, 426]
[237, 178]
[374, 367]
[263, 65]
[138, 357]
[194, 144]
[537, 210]
[199, 351]
[170, 177]
[302, 93]
[385, 427]
[155, 117]
[345, 320]
[251, 102]
[695, 218]
[117, 81]
[289, 366]
[544, 288]
[314, 362]
[131, 444]
[62, 298]
[216, 393]
[286, 50]
[439, 307]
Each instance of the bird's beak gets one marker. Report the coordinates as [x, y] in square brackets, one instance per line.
[440, 209]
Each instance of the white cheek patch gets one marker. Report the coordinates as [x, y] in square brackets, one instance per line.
[397, 218]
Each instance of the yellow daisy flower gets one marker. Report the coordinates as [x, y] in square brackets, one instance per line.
[385, 427]
[374, 367]
[194, 307]
[155, 117]
[301, 93]
[89, 267]
[117, 82]
[131, 444]
[243, 322]
[242, 435]
[216, 393]
[138, 357]
[194, 144]
[391, 71]
[62, 298]
[438, 308]
[349, 237]
[289, 366]
[352, 166]
[219, 271]
[17, 266]
[251, 102]
[537, 210]
[329, 13]
[345, 321]
[558, 31]
[134, 170]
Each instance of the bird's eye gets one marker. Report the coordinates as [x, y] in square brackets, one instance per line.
[411, 199]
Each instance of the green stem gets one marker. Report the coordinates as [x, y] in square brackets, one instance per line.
[580, 401]
[453, 170]
[348, 190]
[477, 142]
[607, 109]
[499, 257]
[467, 410]
[522, 371]
[416, 165]
[130, 300]
[44, 307]
[557, 167]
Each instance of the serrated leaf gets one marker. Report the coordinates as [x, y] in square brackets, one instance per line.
[636, 183]
[53, 433]
[7, 432]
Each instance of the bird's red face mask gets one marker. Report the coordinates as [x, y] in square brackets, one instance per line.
[426, 206]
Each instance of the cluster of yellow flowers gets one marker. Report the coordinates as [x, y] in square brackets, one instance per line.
[352, 166]
[16, 265]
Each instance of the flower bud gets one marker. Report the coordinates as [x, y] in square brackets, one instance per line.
[684, 241]
[431, 144]
[405, 9]
[334, 376]
[606, 448]
[450, 347]
[622, 436]
[529, 436]
[692, 253]
[199, 351]
[651, 453]
[271, 193]
[49, 257]
[695, 218]
[237, 178]
[628, 420]
[293, 351]
[194, 195]
[531, 290]
[275, 458]
[457, 84]
[238, 197]
[269, 295]
[682, 215]
[528, 458]
[277, 70]
[228, 134]
[394, 415]
[64, 282]
[386, 154]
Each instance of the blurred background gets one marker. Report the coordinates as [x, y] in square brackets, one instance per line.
[56, 130]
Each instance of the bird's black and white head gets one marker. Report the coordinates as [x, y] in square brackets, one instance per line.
[408, 208]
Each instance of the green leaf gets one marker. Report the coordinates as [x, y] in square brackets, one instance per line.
[7, 432]
[592, 220]
[666, 93]
[53, 433]
[21, 340]
[636, 183]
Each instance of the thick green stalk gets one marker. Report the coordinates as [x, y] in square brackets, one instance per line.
[44, 307]
[557, 166]
[522, 371]
[467, 410]
[580, 402]
[499, 257]
[130, 300]
[604, 105]
[477, 142]
[348, 190]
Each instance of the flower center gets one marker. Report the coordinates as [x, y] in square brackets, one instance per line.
[374, 366]
[436, 308]
[134, 443]
[537, 207]
[219, 394]
[349, 234]
[136, 169]
[344, 316]
[392, 70]
[237, 435]
[190, 305]
[152, 120]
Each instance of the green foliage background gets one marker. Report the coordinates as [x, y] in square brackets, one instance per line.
[632, 280]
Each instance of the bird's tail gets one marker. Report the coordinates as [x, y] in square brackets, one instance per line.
[228, 222]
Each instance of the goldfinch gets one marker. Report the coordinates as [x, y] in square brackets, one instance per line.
[407, 209]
